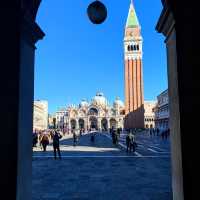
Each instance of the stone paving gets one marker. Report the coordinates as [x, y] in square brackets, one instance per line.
[102, 171]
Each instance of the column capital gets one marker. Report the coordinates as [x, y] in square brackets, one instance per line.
[30, 30]
[166, 22]
[30, 8]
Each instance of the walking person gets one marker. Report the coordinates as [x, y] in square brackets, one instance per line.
[132, 142]
[56, 144]
[163, 134]
[40, 139]
[114, 138]
[45, 141]
[166, 134]
[154, 131]
[150, 132]
[92, 138]
[75, 138]
[117, 137]
[127, 143]
[118, 132]
[80, 132]
[157, 130]
[34, 139]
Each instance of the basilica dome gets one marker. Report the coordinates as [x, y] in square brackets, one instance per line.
[83, 103]
[118, 103]
[100, 99]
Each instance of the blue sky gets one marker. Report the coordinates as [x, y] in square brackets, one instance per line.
[77, 58]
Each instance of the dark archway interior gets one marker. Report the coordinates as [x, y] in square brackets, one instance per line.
[93, 123]
[73, 124]
[93, 111]
[104, 124]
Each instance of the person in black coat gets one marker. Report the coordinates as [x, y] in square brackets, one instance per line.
[35, 139]
[45, 141]
[56, 144]
[127, 143]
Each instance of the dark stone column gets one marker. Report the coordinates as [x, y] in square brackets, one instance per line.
[182, 40]
[166, 26]
[19, 33]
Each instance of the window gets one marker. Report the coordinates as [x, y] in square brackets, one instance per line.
[131, 47]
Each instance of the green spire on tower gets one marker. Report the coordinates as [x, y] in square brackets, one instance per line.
[132, 20]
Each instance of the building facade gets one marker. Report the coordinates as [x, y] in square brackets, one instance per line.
[134, 95]
[61, 118]
[40, 115]
[96, 114]
[162, 111]
[51, 121]
[149, 114]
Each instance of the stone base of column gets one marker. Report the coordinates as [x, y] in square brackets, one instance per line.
[135, 119]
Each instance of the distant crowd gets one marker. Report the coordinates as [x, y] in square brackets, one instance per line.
[163, 133]
[44, 138]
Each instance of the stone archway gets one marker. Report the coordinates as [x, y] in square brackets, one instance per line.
[104, 124]
[93, 111]
[73, 124]
[93, 123]
[81, 123]
[17, 145]
[113, 123]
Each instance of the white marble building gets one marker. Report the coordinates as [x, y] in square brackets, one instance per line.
[97, 114]
[40, 115]
[162, 111]
[149, 115]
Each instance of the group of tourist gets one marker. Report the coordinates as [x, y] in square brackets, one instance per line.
[153, 131]
[130, 141]
[130, 138]
[43, 138]
[115, 133]
[165, 134]
[156, 131]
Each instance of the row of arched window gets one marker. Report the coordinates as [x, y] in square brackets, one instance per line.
[149, 120]
[133, 47]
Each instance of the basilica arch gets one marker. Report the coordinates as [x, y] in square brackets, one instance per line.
[104, 124]
[93, 111]
[81, 123]
[93, 122]
[73, 124]
[113, 123]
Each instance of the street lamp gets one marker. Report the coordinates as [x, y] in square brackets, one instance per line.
[97, 12]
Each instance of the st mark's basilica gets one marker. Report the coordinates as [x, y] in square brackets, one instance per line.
[96, 114]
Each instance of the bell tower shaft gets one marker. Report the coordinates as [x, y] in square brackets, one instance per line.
[134, 97]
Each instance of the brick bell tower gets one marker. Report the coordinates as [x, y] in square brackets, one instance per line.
[134, 95]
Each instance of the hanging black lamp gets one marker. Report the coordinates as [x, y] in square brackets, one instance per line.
[97, 12]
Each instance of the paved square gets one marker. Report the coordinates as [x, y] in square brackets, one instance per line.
[102, 171]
